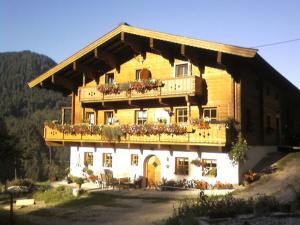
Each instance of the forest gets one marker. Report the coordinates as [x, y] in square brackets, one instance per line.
[23, 152]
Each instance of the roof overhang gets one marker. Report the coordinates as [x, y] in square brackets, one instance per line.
[124, 43]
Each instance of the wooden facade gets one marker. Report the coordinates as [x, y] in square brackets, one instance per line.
[222, 81]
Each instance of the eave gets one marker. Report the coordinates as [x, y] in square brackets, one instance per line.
[65, 77]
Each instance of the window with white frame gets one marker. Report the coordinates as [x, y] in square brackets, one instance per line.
[140, 117]
[134, 159]
[90, 117]
[182, 69]
[181, 115]
[210, 113]
[107, 160]
[181, 166]
[108, 117]
[88, 158]
[209, 167]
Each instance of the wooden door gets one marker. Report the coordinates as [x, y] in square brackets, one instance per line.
[153, 168]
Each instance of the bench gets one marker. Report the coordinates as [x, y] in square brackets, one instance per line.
[24, 202]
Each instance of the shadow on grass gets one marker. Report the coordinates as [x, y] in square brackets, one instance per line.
[18, 220]
[67, 209]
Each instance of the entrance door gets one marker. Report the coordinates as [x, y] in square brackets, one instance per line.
[153, 172]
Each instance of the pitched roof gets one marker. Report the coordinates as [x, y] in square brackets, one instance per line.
[126, 29]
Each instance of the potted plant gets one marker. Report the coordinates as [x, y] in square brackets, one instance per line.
[78, 181]
[197, 162]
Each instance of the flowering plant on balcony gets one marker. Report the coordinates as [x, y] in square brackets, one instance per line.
[154, 129]
[144, 85]
[108, 89]
[115, 132]
[138, 86]
[200, 123]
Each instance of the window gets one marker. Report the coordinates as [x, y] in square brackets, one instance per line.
[210, 113]
[90, 117]
[140, 117]
[209, 167]
[181, 115]
[138, 74]
[181, 166]
[182, 70]
[107, 160]
[88, 158]
[109, 117]
[109, 78]
[134, 159]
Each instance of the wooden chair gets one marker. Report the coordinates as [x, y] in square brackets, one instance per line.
[102, 180]
[110, 181]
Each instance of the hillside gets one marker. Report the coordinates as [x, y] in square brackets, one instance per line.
[282, 184]
[22, 114]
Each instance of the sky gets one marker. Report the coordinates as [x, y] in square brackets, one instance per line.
[59, 28]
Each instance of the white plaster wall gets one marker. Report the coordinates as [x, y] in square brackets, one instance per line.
[121, 163]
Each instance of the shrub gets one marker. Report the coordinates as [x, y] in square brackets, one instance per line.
[55, 195]
[93, 178]
[78, 180]
[89, 172]
[56, 172]
[196, 162]
[238, 152]
[21, 182]
[202, 185]
[220, 185]
[251, 176]
[264, 204]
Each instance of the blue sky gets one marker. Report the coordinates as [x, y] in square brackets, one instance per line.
[58, 28]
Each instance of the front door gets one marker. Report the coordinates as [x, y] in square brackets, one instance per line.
[153, 168]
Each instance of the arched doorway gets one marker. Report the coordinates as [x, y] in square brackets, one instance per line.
[152, 170]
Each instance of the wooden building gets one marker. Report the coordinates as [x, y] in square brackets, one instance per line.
[151, 104]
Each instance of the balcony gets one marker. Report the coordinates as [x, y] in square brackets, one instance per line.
[215, 135]
[175, 87]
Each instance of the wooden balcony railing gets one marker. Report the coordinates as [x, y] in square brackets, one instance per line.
[216, 135]
[174, 87]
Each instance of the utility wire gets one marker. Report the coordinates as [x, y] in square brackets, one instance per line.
[277, 43]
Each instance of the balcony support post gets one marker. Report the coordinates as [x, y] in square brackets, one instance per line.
[188, 104]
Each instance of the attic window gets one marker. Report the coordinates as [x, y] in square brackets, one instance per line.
[109, 78]
[142, 74]
[182, 70]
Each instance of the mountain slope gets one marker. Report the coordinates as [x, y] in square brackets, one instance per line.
[24, 110]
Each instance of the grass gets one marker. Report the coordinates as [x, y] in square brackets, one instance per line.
[42, 183]
[58, 195]
[281, 164]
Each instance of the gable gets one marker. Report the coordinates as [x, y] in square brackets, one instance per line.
[126, 42]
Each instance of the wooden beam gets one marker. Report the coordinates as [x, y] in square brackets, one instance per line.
[219, 57]
[163, 50]
[109, 58]
[193, 57]
[160, 100]
[89, 71]
[135, 44]
[57, 80]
